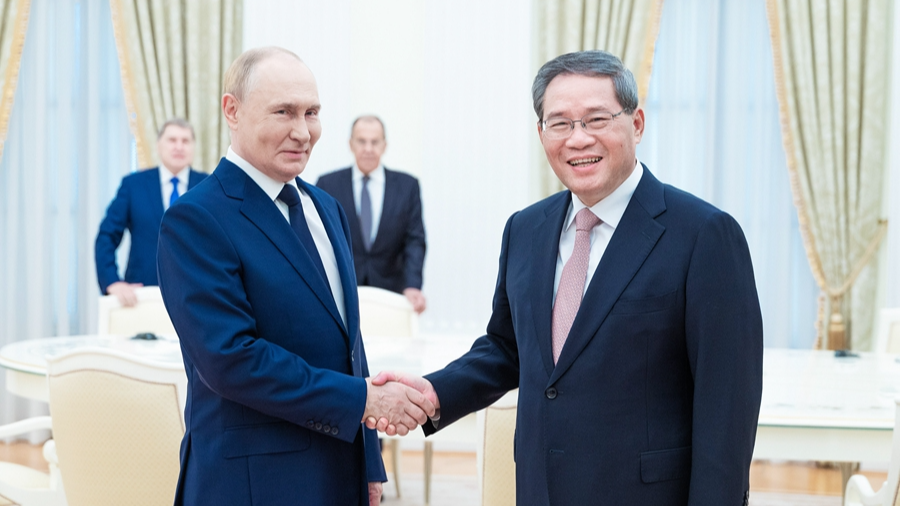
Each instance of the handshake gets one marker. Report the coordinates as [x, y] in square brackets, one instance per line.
[397, 403]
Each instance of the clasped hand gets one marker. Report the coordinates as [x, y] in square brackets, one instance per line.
[397, 404]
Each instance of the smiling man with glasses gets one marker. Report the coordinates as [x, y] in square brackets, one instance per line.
[626, 314]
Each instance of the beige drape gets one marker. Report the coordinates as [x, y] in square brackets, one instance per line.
[173, 54]
[831, 72]
[13, 25]
[625, 28]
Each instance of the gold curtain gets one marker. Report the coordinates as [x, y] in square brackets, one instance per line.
[831, 72]
[13, 25]
[173, 55]
[625, 28]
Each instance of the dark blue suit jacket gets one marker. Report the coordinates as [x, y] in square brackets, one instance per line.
[275, 379]
[397, 256]
[655, 398]
[138, 206]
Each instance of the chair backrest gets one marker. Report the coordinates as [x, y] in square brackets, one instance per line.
[149, 315]
[496, 464]
[117, 423]
[887, 334]
[893, 481]
[385, 313]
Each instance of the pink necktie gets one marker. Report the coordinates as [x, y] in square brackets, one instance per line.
[571, 283]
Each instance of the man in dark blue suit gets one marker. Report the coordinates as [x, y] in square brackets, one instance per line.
[138, 207]
[256, 272]
[385, 211]
[626, 314]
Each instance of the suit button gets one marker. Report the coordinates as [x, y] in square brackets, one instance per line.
[550, 393]
[334, 431]
[327, 429]
[351, 358]
[310, 424]
[318, 425]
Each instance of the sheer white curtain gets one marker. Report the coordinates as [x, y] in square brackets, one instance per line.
[67, 148]
[713, 130]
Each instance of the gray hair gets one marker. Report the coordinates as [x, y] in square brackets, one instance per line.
[239, 75]
[179, 122]
[587, 63]
[369, 117]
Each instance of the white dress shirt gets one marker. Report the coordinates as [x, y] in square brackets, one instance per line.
[376, 194]
[610, 211]
[272, 188]
[165, 182]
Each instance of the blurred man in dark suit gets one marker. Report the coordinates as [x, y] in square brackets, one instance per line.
[385, 211]
[139, 205]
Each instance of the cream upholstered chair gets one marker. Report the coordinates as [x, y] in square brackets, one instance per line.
[149, 315]
[387, 314]
[117, 422]
[496, 463]
[859, 492]
[887, 334]
[26, 486]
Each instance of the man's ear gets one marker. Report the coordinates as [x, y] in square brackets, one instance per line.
[230, 107]
[638, 123]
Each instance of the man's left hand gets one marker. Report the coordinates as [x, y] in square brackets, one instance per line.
[416, 298]
[374, 493]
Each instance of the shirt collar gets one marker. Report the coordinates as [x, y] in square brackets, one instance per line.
[270, 186]
[610, 209]
[376, 175]
[165, 175]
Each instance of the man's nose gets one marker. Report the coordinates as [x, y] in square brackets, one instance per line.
[580, 137]
[300, 130]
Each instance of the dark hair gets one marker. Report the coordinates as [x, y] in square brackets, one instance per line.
[587, 63]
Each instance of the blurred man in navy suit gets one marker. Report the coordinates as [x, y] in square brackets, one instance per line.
[625, 312]
[385, 212]
[256, 272]
[139, 205]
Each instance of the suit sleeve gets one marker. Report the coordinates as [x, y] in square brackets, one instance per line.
[414, 242]
[201, 281]
[723, 328]
[109, 237]
[490, 368]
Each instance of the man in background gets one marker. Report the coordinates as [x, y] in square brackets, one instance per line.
[385, 211]
[139, 205]
[626, 314]
[256, 273]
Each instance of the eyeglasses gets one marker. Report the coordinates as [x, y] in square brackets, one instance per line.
[561, 128]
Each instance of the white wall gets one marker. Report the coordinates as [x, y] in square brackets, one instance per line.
[451, 80]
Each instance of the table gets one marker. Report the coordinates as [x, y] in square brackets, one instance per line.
[26, 361]
[816, 406]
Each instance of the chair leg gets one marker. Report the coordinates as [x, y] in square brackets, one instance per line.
[848, 469]
[429, 450]
[395, 460]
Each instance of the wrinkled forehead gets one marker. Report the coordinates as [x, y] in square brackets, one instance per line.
[585, 93]
[279, 75]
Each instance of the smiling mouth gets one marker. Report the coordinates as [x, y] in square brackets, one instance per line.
[584, 161]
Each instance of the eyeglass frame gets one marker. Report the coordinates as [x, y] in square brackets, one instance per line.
[543, 123]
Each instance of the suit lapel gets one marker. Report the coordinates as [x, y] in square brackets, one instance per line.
[389, 204]
[262, 212]
[156, 193]
[344, 259]
[631, 243]
[345, 197]
[193, 178]
[545, 251]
